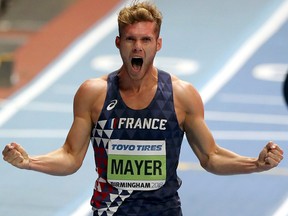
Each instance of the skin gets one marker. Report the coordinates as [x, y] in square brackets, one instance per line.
[137, 88]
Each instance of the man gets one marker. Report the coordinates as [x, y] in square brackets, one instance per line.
[138, 117]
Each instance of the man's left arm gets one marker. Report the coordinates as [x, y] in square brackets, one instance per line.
[214, 158]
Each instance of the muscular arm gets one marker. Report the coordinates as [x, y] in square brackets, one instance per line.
[212, 157]
[67, 159]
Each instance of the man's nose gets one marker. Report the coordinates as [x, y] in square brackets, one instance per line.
[137, 46]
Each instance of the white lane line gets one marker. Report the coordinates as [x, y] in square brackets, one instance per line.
[245, 52]
[49, 107]
[33, 133]
[250, 135]
[282, 210]
[84, 209]
[271, 72]
[58, 69]
[269, 100]
[187, 166]
[246, 117]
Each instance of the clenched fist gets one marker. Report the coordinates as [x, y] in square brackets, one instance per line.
[14, 154]
[270, 156]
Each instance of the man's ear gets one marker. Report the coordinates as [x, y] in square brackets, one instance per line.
[117, 42]
[159, 43]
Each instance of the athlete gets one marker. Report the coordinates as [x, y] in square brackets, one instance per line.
[135, 118]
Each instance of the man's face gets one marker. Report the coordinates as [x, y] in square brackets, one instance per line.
[138, 45]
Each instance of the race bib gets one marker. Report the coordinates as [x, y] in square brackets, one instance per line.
[136, 164]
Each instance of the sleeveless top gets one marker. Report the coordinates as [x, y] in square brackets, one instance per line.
[137, 154]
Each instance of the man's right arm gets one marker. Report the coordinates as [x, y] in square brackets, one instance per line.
[67, 159]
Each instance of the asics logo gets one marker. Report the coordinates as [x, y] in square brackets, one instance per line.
[112, 105]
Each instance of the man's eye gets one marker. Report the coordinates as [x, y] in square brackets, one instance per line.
[146, 39]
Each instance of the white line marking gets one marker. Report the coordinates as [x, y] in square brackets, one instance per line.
[250, 135]
[282, 211]
[84, 209]
[245, 52]
[58, 69]
[49, 107]
[246, 117]
[186, 166]
[33, 133]
[271, 72]
[252, 99]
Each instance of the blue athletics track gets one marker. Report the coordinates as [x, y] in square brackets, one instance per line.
[234, 52]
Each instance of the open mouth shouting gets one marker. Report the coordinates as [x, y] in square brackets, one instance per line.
[137, 63]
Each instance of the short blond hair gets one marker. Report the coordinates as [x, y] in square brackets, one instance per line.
[140, 12]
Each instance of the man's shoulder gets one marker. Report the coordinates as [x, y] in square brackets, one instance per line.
[92, 87]
[96, 83]
[181, 85]
[185, 93]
